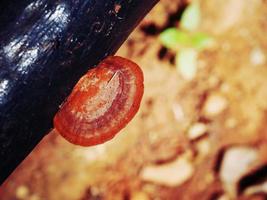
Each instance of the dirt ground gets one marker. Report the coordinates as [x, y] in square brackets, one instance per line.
[204, 138]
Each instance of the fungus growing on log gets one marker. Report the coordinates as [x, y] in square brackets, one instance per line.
[102, 103]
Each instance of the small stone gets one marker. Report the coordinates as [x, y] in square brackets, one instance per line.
[196, 131]
[22, 192]
[171, 174]
[215, 105]
[237, 161]
[257, 57]
[186, 63]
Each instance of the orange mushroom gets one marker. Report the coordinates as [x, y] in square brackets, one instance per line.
[102, 103]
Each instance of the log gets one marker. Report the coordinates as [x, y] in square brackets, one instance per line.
[45, 46]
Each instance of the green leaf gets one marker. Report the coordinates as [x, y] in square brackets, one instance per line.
[201, 41]
[191, 17]
[173, 38]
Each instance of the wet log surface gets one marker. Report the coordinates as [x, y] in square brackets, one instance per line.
[46, 46]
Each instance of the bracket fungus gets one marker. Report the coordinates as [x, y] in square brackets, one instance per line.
[103, 102]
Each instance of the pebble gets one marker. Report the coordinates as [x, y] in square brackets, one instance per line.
[186, 63]
[257, 57]
[22, 192]
[215, 105]
[171, 174]
[196, 131]
[237, 161]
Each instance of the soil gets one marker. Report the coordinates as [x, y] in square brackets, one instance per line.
[204, 138]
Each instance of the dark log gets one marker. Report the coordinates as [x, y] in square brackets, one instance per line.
[45, 46]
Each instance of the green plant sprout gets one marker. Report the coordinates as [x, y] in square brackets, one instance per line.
[186, 41]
